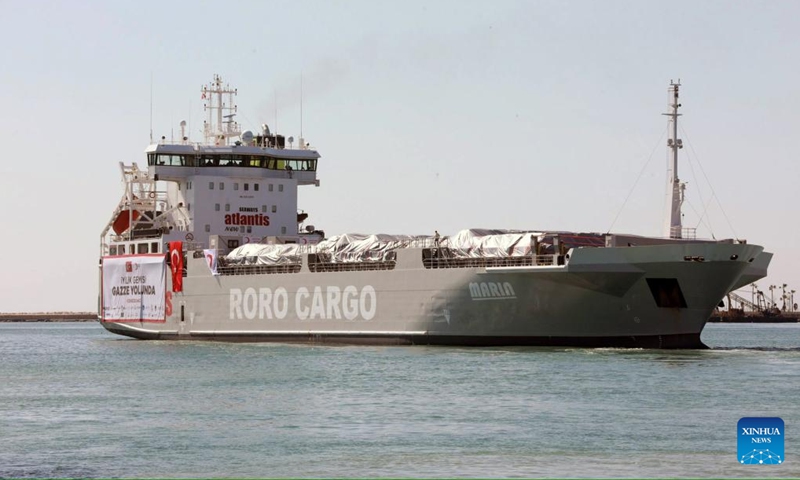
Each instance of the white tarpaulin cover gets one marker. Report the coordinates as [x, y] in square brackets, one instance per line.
[134, 288]
[351, 247]
[478, 243]
[261, 254]
[481, 243]
[356, 247]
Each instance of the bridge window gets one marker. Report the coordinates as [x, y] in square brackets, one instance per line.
[246, 187]
[171, 160]
[141, 248]
[153, 247]
[280, 187]
[112, 250]
[231, 160]
[211, 185]
[221, 186]
[255, 187]
[235, 186]
[270, 187]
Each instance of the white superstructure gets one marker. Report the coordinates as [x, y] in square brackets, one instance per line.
[236, 188]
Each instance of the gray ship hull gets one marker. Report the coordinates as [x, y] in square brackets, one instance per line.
[656, 296]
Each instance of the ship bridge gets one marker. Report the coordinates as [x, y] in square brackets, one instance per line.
[179, 162]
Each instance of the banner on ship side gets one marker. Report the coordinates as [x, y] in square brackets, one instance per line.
[134, 288]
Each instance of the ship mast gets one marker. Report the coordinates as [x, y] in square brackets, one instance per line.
[675, 226]
[225, 127]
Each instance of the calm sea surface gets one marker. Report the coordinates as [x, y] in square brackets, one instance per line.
[76, 401]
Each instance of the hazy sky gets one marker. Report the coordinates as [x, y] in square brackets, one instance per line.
[428, 115]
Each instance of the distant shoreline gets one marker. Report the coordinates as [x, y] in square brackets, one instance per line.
[48, 317]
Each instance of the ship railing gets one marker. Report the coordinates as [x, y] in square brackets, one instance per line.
[479, 262]
[424, 242]
[351, 266]
[445, 258]
[258, 269]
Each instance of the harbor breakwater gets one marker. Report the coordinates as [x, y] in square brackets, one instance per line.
[49, 317]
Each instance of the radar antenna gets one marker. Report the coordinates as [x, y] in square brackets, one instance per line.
[225, 127]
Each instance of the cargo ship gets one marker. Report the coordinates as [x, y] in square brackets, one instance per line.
[207, 243]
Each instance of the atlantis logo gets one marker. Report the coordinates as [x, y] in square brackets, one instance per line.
[760, 441]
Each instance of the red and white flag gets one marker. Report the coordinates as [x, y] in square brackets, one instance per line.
[176, 265]
[211, 259]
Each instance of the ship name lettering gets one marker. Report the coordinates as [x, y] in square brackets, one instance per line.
[258, 220]
[491, 291]
[263, 303]
[321, 303]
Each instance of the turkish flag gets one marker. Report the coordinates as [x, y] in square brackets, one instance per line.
[176, 265]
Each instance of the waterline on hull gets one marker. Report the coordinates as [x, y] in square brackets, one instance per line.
[673, 341]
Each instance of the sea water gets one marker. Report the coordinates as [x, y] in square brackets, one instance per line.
[77, 401]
